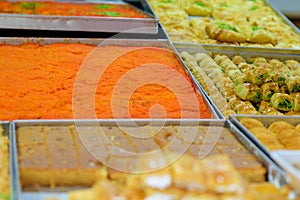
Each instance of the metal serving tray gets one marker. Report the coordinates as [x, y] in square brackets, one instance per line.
[147, 7]
[6, 132]
[266, 120]
[275, 174]
[81, 23]
[162, 43]
[237, 50]
[245, 52]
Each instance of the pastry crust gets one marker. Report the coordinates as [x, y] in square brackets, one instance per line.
[267, 138]
[250, 123]
[223, 32]
[196, 7]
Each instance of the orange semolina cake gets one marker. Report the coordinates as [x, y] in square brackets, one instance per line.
[70, 9]
[38, 83]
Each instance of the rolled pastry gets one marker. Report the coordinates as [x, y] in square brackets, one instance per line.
[268, 89]
[296, 97]
[293, 84]
[282, 102]
[248, 91]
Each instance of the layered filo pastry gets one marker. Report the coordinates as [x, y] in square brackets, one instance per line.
[287, 134]
[164, 5]
[268, 89]
[283, 102]
[267, 137]
[248, 91]
[265, 108]
[196, 7]
[293, 84]
[187, 178]
[174, 19]
[224, 32]
[238, 23]
[279, 135]
[258, 75]
[296, 98]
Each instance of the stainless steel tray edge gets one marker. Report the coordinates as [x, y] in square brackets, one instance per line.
[237, 49]
[125, 122]
[15, 184]
[146, 6]
[88, 41]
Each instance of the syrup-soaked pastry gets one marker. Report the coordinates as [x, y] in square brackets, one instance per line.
[258, 75]
[296, 97]
[267, 138]
[293, 84]
[250, 123]
[196, 7]
[265, 108]
[282, 102]
[268, 89]
[224, 32]
[248, 91]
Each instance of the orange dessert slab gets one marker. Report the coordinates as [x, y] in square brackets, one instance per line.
[70, 9]
[37, 82]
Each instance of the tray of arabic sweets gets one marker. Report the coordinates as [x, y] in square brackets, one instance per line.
[270, 133]
[140, 159]
[96, 16]
[246, 82]
[127, 78]
[242, 23]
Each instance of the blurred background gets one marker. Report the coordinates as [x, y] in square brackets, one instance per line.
[291, 8]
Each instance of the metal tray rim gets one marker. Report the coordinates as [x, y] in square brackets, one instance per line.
[238, 49]
[290, 53]
[277, 12]
[267, 162]
[148, 25]
[166, 121]
[115, 2]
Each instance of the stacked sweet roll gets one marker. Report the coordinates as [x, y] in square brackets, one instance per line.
[253, 86]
